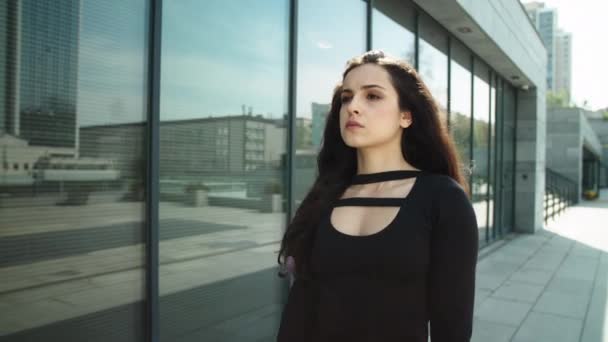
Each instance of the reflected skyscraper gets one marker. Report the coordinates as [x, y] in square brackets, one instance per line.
[8, 32]
[45, 42]
[3, 66]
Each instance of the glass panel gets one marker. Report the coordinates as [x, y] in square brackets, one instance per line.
[72, 205]
[222, 140]
[433, 61]
[481, 144]
[323, 50]
[460, 97]
[393, 29]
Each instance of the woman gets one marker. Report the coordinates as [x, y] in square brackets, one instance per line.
[385, 242]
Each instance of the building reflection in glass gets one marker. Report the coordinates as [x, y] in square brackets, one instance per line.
[481, 146]
[222, 168]
[71, 231]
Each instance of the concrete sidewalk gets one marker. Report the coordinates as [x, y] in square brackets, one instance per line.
[548, 287]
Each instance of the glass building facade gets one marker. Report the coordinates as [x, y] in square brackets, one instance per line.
[148, 171]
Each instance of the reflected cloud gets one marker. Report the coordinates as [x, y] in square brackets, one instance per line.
[324, 45]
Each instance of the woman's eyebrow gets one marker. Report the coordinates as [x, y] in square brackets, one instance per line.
[367, 86]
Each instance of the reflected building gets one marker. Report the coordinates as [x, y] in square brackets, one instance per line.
[47, 58]
[39, 94]
[193, 148]
[303, 133]
[319, 116]
[38, 88]
[20, 161]
[8, 66]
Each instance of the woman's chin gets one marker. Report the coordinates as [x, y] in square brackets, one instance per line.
[354, 143]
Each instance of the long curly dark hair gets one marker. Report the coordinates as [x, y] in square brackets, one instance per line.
[425, 144]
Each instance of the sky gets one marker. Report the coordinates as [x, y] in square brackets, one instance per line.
[585, 19]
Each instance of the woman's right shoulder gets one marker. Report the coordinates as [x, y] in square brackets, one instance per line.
[440, 182]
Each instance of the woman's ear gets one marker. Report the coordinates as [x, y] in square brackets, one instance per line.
[406, 119]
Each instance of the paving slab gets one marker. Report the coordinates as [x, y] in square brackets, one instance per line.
[551, 286]
[505, 312]
[542, 327]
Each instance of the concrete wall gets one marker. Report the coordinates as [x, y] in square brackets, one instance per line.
[564, 149]
[568, 130]
[530, 159]
[589, 137]
[600, 127]
[502, 35]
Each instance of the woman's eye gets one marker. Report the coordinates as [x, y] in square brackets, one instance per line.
[345, 99]
[373, 97]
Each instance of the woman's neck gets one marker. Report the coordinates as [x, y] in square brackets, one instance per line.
[373, 161]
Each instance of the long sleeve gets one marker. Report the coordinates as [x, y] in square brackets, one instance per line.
[298, 313]
[454, 247]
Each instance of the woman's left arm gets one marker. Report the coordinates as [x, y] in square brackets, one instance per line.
[453, 260]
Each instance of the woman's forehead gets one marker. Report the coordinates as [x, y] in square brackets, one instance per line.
[366, 74]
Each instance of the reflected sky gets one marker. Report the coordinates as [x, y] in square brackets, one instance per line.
[460, 90]
[112, 62]
[434, 72]
[220, 55]
[325, 47]
[482, 100]
[393, 38]
[215, 58]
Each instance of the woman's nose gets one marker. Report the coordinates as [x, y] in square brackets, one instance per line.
[353, 105]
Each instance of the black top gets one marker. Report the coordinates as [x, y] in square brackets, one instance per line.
[389, 285]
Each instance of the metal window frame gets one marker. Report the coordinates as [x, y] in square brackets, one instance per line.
[449, 104]
[501, 152]
[495, 80]
[472, 119]
[291, 109]
[514, 142]
[490, 146]
[152, 314]
[494, 148]
[369, 22]
[416, 38]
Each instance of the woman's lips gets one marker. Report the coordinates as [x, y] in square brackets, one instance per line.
[353, 125]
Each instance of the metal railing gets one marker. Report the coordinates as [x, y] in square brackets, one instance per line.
[560, 193]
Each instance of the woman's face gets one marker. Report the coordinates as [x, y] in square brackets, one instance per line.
[370, 114]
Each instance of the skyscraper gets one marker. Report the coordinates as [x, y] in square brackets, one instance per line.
[47, 55]
[545, 20]
[563, 62]
[557, 43]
